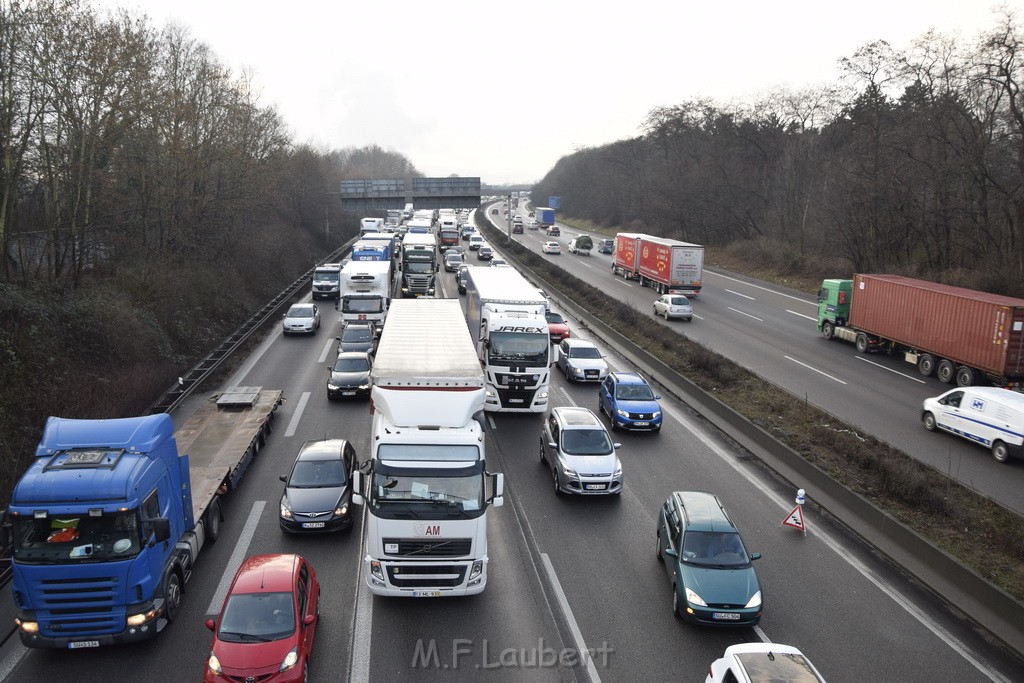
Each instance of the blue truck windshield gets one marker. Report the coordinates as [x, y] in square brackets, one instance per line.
[68, 539]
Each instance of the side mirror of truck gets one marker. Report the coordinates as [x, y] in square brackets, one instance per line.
[555, 351]
[498, 494]
[161, 529]
[357, 486]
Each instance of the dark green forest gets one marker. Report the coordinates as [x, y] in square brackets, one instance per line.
[911, 163]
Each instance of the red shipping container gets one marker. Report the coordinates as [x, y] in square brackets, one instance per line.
[981, 330]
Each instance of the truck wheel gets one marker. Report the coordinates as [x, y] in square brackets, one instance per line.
[929, 422]
[1000, 451]
[964, 376]
[946, 371]
[213, 520]
[926, 364]
[828, 330]
[172, 595]
[862, 342]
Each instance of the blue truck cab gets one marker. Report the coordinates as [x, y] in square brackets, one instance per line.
[105, 525]
[92, 523]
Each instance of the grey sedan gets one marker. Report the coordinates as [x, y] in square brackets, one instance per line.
[581, 361]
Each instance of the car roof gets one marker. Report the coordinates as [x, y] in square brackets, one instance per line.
[578, 342]
[571, 416]
[703, 511]
[266, 574]
[628, 378]
[352, 355]
[326, 449]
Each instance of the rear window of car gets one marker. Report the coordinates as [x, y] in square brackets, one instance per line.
[780, 666]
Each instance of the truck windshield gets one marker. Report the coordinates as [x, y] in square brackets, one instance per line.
[525, 348]
[419, 267]
[361, 305]
[427, 493]
[76, 538]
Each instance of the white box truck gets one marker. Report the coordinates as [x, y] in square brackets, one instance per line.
[327, 281]
[505, 314]
[426, 489]
[365, 291]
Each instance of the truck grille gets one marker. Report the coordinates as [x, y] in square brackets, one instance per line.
[426, 575]
[79, 606]
[516, 398]
[452, 547]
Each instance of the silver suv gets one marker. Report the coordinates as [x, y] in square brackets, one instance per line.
[575, 445]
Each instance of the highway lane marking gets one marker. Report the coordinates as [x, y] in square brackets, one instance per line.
[895, 372]
[362, 628]
[837, 548]
[733, 291]
[815, 369]
[809, 317]
[294, 423]
[577, 636]
[746, 314]
[586, 264]
[490, 421]
[761, 634]
[327, 349]
[237, 555]
[766, 289]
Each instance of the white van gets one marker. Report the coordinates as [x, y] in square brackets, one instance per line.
[989, 416]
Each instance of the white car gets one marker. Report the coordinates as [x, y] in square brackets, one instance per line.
[475, 240]
[989, 416]
[581, 361]
[301, 319]
[752, 662]
[499, 263]
[552, 248]
[674, 306]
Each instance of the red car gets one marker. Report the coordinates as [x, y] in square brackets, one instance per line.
[557, 327]
[266, 627]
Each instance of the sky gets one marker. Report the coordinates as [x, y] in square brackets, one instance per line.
[503, 90]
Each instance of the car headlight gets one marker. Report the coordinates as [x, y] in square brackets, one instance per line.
[694, 598]
[214, 664]
[364, 387]
[341, 510]
[569, 472]
[621, 413]
[333, 387]
[577, 371]
[656, 414]
[286, 508]
[290, 659]
[755, 601]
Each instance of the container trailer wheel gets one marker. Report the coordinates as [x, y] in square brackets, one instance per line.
[965, 378]
[926, 364]
[1000, 451]
[946, 371]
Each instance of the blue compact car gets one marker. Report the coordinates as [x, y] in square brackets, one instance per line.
[629, 402]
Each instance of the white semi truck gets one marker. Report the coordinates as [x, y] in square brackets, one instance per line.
[506, 319]
[426, 487]
[365, 291]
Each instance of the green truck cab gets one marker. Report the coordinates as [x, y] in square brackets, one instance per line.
[834, 304]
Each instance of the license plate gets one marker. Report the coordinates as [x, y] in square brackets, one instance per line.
[594, 487]
[426, 594]
[726, 616]
[352, 393]
[312, 525]
[515, 400]
[83, 643]
[642, 424]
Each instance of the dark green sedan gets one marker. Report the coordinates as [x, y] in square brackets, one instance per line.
[713, 580]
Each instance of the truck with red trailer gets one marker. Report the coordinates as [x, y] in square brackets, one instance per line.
[666, 265]
[962, 336]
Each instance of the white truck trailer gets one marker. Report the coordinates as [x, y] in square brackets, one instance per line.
[427, 488]
[365, 291]
[505, 314]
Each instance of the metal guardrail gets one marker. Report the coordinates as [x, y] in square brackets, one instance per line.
[191, 380]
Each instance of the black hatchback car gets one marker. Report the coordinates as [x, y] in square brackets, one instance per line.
[318, 491]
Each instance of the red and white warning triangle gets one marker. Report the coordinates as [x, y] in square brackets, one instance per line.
[795, 519]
